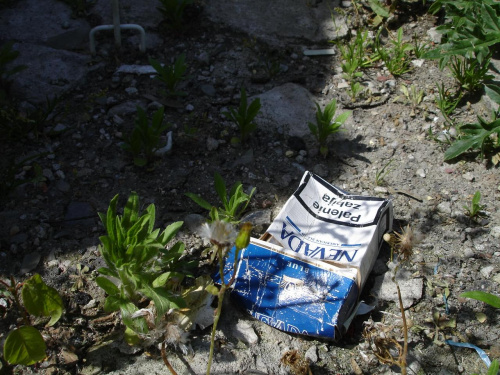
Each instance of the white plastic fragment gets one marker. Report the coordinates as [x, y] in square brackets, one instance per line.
[319, 52]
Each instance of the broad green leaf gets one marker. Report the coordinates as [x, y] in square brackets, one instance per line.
[24, 346]
[113, 303]
[130, 212]
[378, 8]
[161, 280]
[138, 324]
[199, 200]
[41, 299]
[170, 231]
[131, 337]
[493, 92]
[212, 289]
[459, 147]
[488, 298]
[220, 188]
[493, 369]
[161, 297]
[253, 109]
[108, 286]
[476, 198]
[343, 117]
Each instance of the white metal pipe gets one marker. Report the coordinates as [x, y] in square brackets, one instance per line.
[117, 27]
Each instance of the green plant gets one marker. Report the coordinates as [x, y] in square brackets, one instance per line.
[483, 135]
[234, 203]
[485, 297]
[447, 102]
[7, 57]
[173, 11]
[145, 139]
[355, 89]
[475, 208]
[469, 73]
[357, 55]
[222, 236]
[244, 116]
[139, 266]
[472, 30]
[171, 75]
[380, 175]
[266, 58]
[25, 345]
[419, 48]
[326, 124]
[413, 96]
[396, 56]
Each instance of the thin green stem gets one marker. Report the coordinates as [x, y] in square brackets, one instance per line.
[220, 296]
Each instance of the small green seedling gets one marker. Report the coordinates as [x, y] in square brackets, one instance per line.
[244, 116]
[139, 266]
[469, 73]
[475, 209]
[326, 124]
[171, 75]
[25, 345]
[382, 173]
[173, 11]
[447, 102]
[145, 139]
[234, 204]
[396, 56]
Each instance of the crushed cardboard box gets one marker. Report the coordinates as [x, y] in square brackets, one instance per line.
[306, 273]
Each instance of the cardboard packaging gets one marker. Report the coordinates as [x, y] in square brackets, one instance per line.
[306, 273]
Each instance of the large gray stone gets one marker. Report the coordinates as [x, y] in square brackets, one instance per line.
[40, 22]
[288, 109]
[274, 20]
[48, 72]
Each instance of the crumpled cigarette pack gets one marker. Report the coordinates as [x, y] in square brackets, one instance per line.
[305, 274]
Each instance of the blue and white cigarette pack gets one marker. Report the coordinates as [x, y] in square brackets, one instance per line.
[306, 273]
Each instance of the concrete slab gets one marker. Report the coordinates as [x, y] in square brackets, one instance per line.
[48, 72]
[274, 20]
[40, 22]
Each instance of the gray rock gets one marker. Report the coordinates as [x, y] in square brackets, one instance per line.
[79, 213]
[208, 90]
[411, 288]
[246, 159]
[444, 207]
[468, 176]
[244, 331]
[495, 232]
[212, 144]
[288, 107]
[63, 186]
[136, 69]
[487, 271]
[193, 222]
[278, 20]
[321, 170]
[30, 261]
[49, 72]
[259, 217]
[40, 22]
[312, 354]
[434, 35]
[126, 108]
[131, 91]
